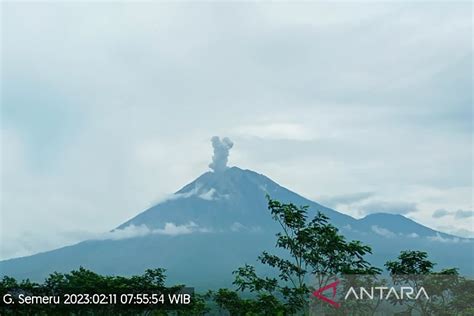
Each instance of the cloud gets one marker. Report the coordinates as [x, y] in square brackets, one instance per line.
[460, 214]
[200, 192]
[173, 229]
[391, 207]
[132, 231]
[347, 227]
[197, 191]
[277, 131]
[187, 194]
[454, 230]
[389, 234]
[363, 203]
[440, 213]
[413, 235]
[382, 231]
[209, 195]
[237, 227]
[347, 199]
[442, 239]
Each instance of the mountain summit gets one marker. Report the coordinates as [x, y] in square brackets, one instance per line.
[229, 199]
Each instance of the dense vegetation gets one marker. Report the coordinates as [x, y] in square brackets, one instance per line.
[311, 254]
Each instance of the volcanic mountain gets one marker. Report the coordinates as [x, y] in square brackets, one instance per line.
[219, 222]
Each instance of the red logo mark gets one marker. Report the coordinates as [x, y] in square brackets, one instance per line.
[319, 294]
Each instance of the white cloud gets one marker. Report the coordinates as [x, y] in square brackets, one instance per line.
[130, 231]
[347, 227]
[455, 230]
[133, 231]
[172, 229]
[238, 227]
[185, 195]
[209, 195]
[235, 227]
[382, 231]
[440, 238]
[275, 131]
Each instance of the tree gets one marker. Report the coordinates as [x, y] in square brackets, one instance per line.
[462, 300]
[410, 263]
[313, 248]
[413, 268]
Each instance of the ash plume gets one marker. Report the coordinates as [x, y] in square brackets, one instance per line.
[221, 153]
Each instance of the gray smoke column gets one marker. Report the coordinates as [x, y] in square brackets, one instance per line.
[221, 153]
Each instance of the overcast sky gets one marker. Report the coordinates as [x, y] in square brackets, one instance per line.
[108, 108]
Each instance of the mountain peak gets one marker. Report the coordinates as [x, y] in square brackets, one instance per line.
[218, 200]
[229, 180]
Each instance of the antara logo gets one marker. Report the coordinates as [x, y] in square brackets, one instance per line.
[377, 292]
[332, 286]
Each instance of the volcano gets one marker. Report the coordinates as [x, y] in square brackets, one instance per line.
[219, 222]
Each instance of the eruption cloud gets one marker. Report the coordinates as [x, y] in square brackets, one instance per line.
[221, 153]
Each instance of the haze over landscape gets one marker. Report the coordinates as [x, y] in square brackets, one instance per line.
[108, 108]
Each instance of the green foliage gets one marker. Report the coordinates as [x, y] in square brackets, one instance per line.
[410, 262]
[8, 283]
[229, 301]
[449, 293]
[463, 297]
[313, 247]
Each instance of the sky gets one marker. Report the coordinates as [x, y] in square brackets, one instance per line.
[107, 108]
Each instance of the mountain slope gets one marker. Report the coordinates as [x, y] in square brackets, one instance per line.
[398, 224]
